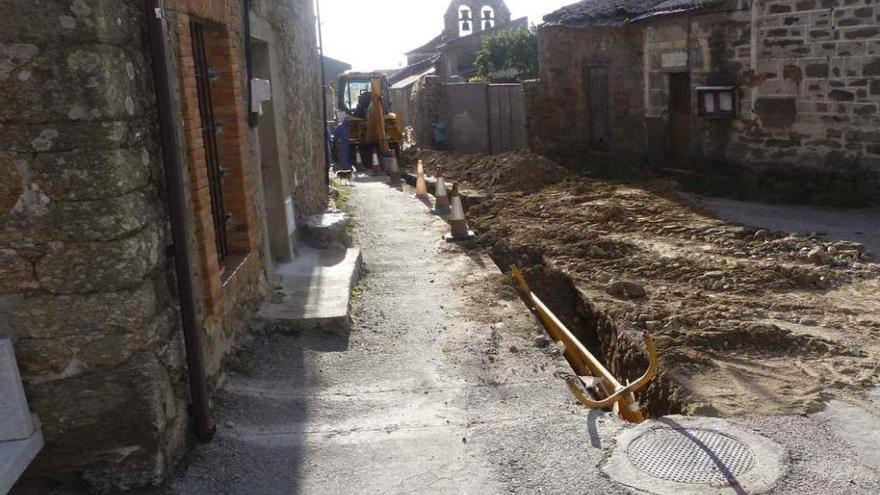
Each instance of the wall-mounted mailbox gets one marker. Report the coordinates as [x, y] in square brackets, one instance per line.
[718, 101]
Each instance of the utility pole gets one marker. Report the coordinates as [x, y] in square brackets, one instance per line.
[323, 95]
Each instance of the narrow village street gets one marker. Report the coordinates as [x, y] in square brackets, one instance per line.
[438, 387]
[446, 384]
[321, 247]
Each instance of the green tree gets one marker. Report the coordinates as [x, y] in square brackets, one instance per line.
[509, 56]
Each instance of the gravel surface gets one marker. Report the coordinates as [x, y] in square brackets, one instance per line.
[441, 387]
[837, 224]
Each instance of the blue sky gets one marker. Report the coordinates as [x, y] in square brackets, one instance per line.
[375, 34]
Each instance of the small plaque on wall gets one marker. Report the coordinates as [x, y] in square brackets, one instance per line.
[674, 59]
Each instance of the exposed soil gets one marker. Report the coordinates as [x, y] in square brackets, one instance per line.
[746, 320]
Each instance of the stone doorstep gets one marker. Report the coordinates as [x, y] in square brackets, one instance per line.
[16, 456]
[315, 289]
[328, 230]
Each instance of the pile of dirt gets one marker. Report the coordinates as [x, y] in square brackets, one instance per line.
[746, 320]
[517, 171]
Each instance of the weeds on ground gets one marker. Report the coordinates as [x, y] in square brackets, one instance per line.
[343, 196]
[291, 328]
[356, 292]
[241, 366]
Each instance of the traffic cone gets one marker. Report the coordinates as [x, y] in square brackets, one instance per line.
[393, 168]
[441, 197]
[421, 185]
[459, 227]
[358, 161]
[376, 169]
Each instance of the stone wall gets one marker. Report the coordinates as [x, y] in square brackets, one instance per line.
[557, 116]
[85, 286]
[294, 24]
[427, 102]
[807, 73]
[87, 292]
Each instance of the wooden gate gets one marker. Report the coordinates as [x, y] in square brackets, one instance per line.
[507, 130]
[485, 118]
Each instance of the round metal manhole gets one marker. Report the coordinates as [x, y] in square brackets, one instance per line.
[691, 456]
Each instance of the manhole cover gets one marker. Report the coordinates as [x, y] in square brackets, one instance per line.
[691, 456]
[679, 455]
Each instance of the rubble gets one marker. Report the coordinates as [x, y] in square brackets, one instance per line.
[744, 318]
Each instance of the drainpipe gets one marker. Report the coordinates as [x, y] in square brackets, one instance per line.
[253, 118]
[195, 362]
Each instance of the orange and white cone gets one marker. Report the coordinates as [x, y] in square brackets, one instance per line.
[421, 185]
[393, 168]
[376, 169]
[459, 227]
[441, 197]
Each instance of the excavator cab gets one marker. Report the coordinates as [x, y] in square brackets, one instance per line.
[365, 98]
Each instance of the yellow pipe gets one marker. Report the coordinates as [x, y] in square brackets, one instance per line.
[584, 363]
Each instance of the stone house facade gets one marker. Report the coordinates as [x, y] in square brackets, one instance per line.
[785, 89]
[87, 282]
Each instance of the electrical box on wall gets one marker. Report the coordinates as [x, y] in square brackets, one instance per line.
[720, 102]
[261, 90]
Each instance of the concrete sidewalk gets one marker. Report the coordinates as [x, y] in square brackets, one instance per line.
[438, 387]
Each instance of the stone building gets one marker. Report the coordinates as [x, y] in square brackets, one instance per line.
[452, 53]
[783, 89]
[89, 291]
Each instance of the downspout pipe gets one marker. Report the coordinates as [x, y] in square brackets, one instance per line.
[253, 117]
[176, 197]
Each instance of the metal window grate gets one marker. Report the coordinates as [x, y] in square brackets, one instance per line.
[691, 456]
[209, 136]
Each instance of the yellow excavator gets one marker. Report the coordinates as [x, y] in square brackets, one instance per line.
[365, 98]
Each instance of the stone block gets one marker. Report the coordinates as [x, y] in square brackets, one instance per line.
[86, 82]
[78, 268]
[69, 356]
[15, 416]
[82, 175]
[66, 21]
[77, 135]
[48, 316]
[776, 112]
[109, 427]
[38, 220]
[328, 230]
[16, 273]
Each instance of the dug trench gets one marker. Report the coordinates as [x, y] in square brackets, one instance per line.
[746, 321]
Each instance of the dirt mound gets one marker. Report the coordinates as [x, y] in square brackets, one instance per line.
[517, 171]
[745, 319]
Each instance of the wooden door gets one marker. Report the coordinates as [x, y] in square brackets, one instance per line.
[680, 118]
[598, 103]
